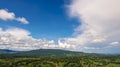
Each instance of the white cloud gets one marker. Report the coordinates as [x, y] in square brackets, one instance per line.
[115, 43]
[6, 15]
[22, 20]
[100, 22]
[21, 40]
[93, 48]
[65, 45]
[16, 32]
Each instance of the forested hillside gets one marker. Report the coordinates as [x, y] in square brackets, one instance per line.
[58, 58]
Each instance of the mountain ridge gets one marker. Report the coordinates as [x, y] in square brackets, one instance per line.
[39, 52]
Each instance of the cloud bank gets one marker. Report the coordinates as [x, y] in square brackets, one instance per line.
[6, 15]
[21, 40]
[100, 24]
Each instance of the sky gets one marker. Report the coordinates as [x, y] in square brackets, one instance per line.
[78, 25]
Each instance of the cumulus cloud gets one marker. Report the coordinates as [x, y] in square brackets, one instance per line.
[22, 19]
[21, 40]
[115, 44]
[6, 15]
[100, 23]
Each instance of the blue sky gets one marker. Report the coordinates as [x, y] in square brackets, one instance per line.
[46, 17]
[77, 25]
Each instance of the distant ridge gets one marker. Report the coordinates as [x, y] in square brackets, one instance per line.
[50, 52]
[7, 51]
[40, 52]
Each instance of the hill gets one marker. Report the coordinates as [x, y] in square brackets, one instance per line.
[49, 52]
[36, 53]
[44, 52]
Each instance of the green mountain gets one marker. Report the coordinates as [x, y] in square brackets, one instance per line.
[49, 52]
[44, 52]
[37, 53]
